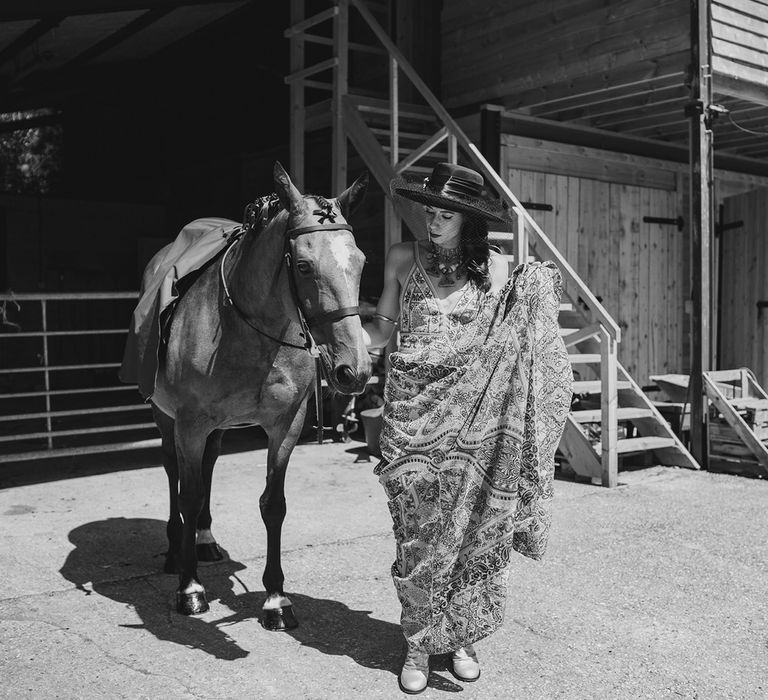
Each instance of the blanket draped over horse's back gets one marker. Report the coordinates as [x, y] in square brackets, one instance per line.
[472, 419]
[198, 242]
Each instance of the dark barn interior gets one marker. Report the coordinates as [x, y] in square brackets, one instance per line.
[167, 111]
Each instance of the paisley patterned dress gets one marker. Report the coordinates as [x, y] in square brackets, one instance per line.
[475, 404]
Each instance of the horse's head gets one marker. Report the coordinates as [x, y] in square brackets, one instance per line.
[326, 266]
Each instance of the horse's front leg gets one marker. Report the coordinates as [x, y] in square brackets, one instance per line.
[173, 527]
[207, 548]
[278, 610]
[190, 445]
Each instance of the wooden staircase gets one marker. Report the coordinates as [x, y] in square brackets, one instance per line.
[737, 422]
[393, 137]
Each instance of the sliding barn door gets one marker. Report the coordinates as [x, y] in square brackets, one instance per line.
[743, 293]
[626, 243]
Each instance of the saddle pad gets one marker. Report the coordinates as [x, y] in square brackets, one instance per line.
[197, 243]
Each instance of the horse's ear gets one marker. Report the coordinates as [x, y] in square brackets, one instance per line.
[350, 198]
[290, 197]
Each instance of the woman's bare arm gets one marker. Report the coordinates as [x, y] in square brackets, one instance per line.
[376, 333]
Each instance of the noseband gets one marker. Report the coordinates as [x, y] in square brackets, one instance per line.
[305, 320]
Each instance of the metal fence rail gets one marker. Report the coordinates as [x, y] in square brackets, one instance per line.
[59, 391]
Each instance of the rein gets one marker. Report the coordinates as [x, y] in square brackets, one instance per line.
[305, 320]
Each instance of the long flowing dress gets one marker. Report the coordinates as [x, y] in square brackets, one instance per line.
[475, 403]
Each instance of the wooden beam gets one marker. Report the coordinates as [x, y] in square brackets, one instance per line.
[490, 134]
[29, 37]
[340, 90]
[701, 219]
[303, 25]
[735, 87]
[526, 153]
[620, 104]
[311, 70]
[369, 149]
[12, 10]
[572, 93]
[126, 31]
[297, 117]
[548, 130]
[422, 150]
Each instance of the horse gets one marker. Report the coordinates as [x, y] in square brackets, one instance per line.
[241, 349]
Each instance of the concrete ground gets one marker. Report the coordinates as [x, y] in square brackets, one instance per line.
[655, 589]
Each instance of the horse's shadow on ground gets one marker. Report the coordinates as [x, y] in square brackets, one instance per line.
[121, 559]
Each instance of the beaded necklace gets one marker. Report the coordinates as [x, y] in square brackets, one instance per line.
[448, 263]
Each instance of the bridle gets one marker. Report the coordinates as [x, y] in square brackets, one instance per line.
[305, 320]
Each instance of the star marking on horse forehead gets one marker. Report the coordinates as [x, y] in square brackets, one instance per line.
[325, 212]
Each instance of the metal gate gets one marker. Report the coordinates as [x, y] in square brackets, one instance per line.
[59, 391]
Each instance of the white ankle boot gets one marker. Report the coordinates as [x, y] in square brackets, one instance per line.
[465, 665]
[413, 678]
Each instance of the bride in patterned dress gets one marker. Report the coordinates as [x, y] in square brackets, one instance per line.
[476, 399]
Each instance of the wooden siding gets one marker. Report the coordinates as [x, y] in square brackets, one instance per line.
[740, 48]
[638, 269]
[744, 253]
[493, 48]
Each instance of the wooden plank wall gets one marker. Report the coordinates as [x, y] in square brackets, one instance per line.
[744, 283]
[637, 268]
[494, 48]
[740, 47]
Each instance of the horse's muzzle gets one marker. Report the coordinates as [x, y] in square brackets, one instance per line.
[348, 381]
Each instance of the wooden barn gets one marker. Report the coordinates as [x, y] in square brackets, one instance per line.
[629, 139]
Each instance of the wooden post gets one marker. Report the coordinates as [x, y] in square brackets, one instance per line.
[340, 89]
[453, 149]
[700, 149]
[521, 238]
[609, 455]
[490, 135]
[296, 146]
[392, 220]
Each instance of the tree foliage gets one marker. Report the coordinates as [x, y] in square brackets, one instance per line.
[30, 158]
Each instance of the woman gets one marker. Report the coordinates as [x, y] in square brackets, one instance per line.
[475, 403]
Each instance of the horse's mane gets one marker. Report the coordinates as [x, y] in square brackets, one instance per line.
[262, 211]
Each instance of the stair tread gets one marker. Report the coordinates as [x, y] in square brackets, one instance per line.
[624, 413]
[382, 106]
[585, 358]
[405, 135]
[643, 444]
[594, 386]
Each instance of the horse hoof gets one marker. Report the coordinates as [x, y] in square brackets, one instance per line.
[209, 551]
[193, 603]
[280, 619]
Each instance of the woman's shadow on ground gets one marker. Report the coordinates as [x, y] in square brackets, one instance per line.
[121, 559]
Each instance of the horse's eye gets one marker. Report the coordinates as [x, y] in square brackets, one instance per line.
[304, 267]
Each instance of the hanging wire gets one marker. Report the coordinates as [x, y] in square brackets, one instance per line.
[744, 128]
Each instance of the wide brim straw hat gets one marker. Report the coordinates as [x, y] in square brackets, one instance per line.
[452, 187]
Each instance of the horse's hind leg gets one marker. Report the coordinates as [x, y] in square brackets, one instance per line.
[173, 527]
[278, 611]
[207, 548]
[191, 440]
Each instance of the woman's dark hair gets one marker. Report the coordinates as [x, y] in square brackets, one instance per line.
[476, 249]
